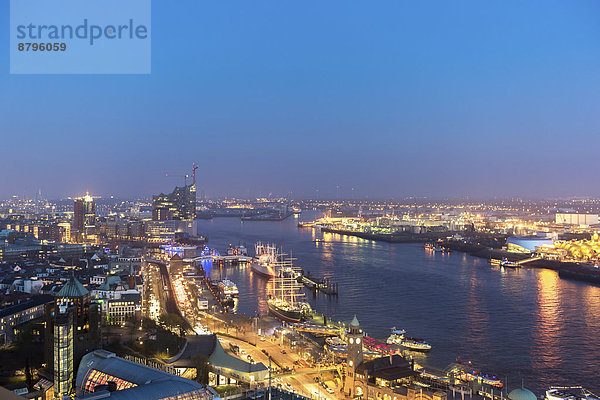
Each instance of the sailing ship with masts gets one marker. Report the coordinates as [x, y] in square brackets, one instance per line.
[284, 295]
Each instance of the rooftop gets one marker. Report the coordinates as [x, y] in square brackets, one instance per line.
[388, 368]
[150, 383]
[73, 288]
[36, 301]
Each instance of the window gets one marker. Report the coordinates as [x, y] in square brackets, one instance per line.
[96, 378]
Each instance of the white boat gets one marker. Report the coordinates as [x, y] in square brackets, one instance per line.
[509, 264]
[569, 393]
[415, 344]
[398, 336]
[265, 260]
[228, 288]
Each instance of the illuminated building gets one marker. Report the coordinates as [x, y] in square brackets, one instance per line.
[389, 377]
[11, 318]
[576, 219]
[84, 322]
[84, 215]
[160, 230]
[178, 205]
[103, 375]
[355, 356]
[63, 351]
[527, 244]
[127, 308]
[225, 369]
[581, 250]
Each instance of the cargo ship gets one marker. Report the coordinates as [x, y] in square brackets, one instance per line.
[265, 260]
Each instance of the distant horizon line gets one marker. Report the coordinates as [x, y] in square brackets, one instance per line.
[331, 199]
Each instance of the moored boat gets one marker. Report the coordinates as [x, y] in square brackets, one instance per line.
[569, 393]
[466, 373]
[265, 260]
[284, 294]
[415, 344]
[509, 264]
[398, 336]
[228, 288]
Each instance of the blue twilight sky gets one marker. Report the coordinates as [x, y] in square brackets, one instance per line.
[393, 98]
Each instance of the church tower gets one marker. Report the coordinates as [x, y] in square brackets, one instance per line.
[355, 355]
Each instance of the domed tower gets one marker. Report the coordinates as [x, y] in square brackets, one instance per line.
[354, 357]
[522, 394]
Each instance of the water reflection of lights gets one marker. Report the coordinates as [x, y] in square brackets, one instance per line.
[547, 330]
[477, 316]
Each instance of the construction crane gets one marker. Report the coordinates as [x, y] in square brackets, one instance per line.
[186, 176]
[194, 168]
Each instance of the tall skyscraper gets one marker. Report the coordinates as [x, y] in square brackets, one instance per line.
[84, 214]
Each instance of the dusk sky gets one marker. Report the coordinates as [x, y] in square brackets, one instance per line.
[393, 98]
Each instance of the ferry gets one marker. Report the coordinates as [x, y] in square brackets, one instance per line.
[399, 337]
[415, 344]
[228, 288]
[396, 336]
[470, 376]
[509, 264]
[436, 248]
[466, 373]
[265, 260]
[569, 393]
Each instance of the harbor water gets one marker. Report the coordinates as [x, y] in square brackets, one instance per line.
[524, 325]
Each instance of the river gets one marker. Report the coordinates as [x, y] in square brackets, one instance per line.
[525, 325]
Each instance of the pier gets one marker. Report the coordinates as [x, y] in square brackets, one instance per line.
[322, 285]
[234, 259]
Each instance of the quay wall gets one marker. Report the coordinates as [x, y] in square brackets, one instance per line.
[566, 270]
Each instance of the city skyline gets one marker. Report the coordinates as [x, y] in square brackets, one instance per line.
[477, 99]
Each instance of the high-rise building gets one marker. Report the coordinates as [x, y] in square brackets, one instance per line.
[84, 214]
[63, 352]
[177, 205]
[72, 329]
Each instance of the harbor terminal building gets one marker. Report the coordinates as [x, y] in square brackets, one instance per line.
[103, 375]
